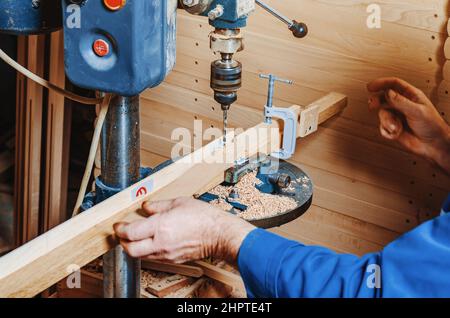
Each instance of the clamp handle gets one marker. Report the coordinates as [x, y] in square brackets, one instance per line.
[272, 79]
[289, 117]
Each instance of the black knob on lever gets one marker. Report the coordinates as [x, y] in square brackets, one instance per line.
[299, 29]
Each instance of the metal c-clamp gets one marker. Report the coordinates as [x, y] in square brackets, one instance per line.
[289, 117]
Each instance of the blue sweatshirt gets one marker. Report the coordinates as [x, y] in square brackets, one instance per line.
[415, 265]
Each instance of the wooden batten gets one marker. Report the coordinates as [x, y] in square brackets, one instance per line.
[58, 141]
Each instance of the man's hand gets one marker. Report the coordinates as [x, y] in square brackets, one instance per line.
[183, 230]
[408, 116]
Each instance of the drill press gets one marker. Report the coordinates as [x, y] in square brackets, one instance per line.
[124, 47]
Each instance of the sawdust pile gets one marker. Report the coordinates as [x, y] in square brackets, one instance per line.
[259, 205]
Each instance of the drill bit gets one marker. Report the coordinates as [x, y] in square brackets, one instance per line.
[225, 125]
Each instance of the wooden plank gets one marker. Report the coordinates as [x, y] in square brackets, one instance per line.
[168, 285]
[188, 291]
[58, 141]
[91, 287]
[221, 275]
[33, 139]
[22, 50]
[29, 138]
[185, 270]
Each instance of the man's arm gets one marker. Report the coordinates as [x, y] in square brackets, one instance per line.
[272, 266]
[415, 265]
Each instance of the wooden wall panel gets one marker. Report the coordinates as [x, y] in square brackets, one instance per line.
[29, 140]
[58, 141]
[368, 190]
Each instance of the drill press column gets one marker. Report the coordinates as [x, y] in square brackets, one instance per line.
[121, 169]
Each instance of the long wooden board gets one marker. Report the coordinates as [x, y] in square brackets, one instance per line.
[44, 261]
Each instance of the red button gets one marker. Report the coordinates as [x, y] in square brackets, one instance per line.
[101, 47]
[114, 5]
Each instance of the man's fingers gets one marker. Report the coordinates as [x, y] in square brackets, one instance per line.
[139, 248]
[401, 103]
[376, 101]
[391, 125]
[152, 208]
[398, 85]
[136, 231]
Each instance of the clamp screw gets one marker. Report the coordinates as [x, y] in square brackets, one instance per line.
[272, 79]
[215, 13]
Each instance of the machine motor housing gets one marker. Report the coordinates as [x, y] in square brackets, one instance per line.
[24, 17]
[122, 51]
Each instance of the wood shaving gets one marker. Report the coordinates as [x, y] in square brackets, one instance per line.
[259, 205]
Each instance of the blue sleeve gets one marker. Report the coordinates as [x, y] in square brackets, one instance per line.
[272, 266]
[415, 265]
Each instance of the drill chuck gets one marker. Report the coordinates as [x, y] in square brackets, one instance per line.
[226, 80]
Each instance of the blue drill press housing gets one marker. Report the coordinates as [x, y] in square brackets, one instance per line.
[140, 40]
[23, 17]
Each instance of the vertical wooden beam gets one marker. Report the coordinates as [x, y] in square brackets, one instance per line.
[31, 53]
[57, 140]
[33, 137]
[22, 49]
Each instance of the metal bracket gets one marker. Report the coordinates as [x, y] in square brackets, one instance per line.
[289, 117]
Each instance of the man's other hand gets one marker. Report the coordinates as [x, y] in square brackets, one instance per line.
[183, 230]
[408, 116]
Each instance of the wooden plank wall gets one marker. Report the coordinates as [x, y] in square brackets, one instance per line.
[368, 191]
[57, 142]
[42, 140]
[31, 50]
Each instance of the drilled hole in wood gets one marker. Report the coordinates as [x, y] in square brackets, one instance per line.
[410, 202]
[196, 99]
[414, 163]
[213, 109]
[408, 221]
[196, 80]
[436, 15]
[433, 37]
[430, 59]
[412, 182]
[446, 92]
[431, 195]
[196, 62]
[196, 44]
[195, 117]
[433, 175]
